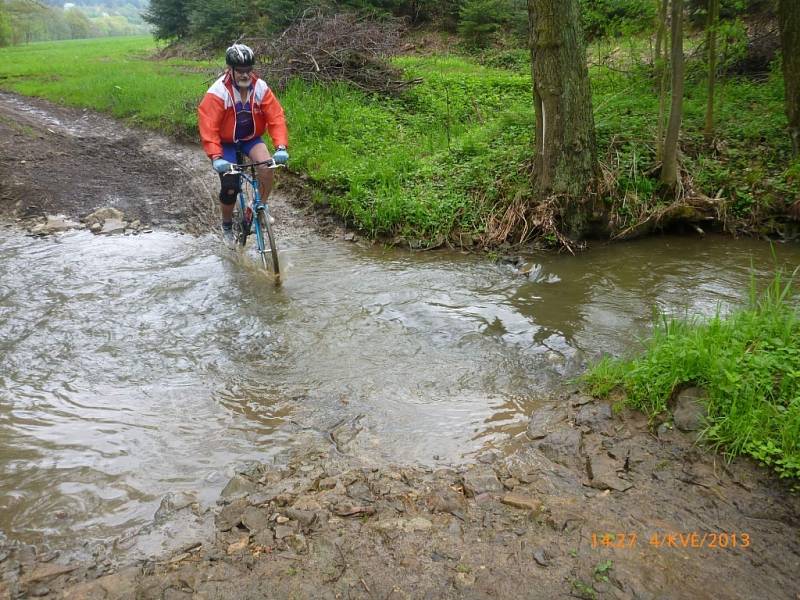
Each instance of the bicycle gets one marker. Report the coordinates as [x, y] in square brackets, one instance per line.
[249, 203]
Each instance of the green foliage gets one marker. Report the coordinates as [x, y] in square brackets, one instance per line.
[26, 21]
[612, 18]
[437, 162]
[747, 361]
[169, 18]
[482, 22]
[5, 26]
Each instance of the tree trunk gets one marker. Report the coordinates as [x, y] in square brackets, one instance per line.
[661, 29]
[661, 76]
[566, 150]
[789, 20]
[711, 43]
[669, 169]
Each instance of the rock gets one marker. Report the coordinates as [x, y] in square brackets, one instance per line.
[45, 573]
[360, 491]
[58, 223]
[102, 215]
[297, 542]
[231, 515]
[462, 581]
[238, 546]
[690, 412]
[264, 538]
[481, 480]
[541, 557]
[415, 524]
[112, 227]
[254, 519]
[305, 517]
[445, 500]
[545, 420]
[39, 591]
[173, 502]
[596, 417]
[136, 224]
[522, 501]
[563, 447]
[239, 485]
[327, 484]
[282, 531]
[603, 474]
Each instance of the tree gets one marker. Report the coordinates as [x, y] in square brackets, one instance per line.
[711, 43]
[5, 25]
[789, 20]
[79, 24]
[566, 150]
[662, 74]
[669, 168]
[170, 18]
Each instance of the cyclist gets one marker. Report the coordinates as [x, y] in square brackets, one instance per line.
[233, 115]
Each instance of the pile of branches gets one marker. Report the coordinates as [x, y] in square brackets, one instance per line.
[321, 47]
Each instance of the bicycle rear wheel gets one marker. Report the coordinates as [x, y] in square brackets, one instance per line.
[269, 251]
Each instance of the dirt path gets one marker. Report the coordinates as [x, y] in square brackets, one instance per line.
[61, 160]
[587, 504]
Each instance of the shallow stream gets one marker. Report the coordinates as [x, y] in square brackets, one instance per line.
[134, 366]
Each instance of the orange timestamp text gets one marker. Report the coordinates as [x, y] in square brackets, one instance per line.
[674, 539]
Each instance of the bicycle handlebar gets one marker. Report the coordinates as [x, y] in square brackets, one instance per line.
[270, 164]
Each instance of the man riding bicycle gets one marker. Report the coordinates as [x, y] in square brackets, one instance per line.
[233, 115]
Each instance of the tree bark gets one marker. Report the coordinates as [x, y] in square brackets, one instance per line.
[669, 169]
[789, 20]
[662, 78]
[661, 28]
[711, 43]
[566, 150]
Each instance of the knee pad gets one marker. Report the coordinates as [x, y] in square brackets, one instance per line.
[229, 188]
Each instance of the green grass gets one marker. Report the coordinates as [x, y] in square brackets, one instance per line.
[112, 75]
[749, 364]
[438, 161]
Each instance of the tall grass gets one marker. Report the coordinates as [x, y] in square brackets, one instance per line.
[749, 364]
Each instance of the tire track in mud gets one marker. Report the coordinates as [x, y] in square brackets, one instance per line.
[70, 161]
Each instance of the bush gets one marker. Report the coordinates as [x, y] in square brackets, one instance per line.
[612, 18]
[481, 22]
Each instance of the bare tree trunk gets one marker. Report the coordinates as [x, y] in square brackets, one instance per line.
[669, 169]
[711, 43]
[661, 28]
[661, 76]
[789, 20]
[566, 157]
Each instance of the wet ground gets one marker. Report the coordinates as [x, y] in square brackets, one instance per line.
[139, 372]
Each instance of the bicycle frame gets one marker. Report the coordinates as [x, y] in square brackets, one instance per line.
[259, 221]
[252, 180]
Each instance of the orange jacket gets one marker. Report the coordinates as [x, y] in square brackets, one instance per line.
[216, 115]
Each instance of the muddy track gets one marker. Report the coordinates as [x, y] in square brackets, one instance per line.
[587, 504]
[61, 160]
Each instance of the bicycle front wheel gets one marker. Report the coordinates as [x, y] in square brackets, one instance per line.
[269, 251]
[241, 224]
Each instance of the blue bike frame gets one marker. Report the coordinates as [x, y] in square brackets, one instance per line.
[248, 179]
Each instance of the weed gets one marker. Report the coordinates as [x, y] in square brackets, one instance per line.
[748, 361]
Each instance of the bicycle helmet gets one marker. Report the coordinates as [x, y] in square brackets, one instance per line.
[239, 55]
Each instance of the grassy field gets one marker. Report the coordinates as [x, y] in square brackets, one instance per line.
[439, 161]
[747, 361]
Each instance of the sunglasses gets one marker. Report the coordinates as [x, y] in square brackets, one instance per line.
[243, 70]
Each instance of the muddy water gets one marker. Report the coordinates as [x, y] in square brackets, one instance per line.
[135, 366]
